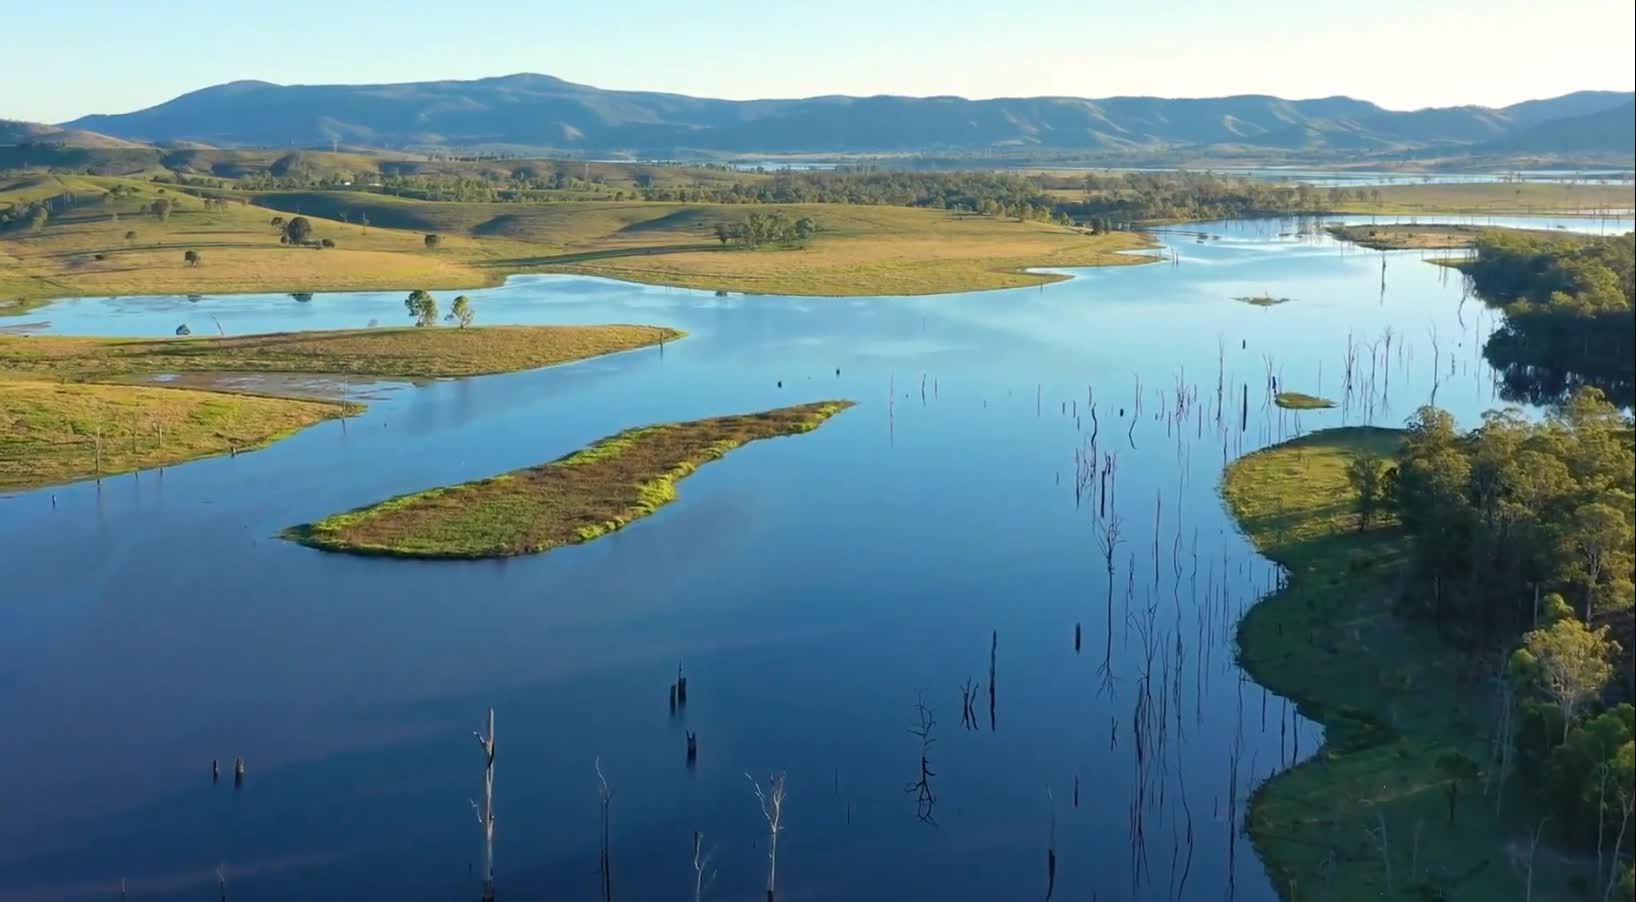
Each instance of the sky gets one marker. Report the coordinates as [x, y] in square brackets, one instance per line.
[111, 56]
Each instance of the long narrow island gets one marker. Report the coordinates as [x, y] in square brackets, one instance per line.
[576, 498]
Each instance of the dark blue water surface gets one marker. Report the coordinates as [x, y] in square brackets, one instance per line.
[816, 588]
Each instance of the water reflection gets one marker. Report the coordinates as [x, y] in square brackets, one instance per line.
[1057, 473]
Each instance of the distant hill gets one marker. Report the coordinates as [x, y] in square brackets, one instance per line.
[543, 113]
[1609, 129]
[14, 132]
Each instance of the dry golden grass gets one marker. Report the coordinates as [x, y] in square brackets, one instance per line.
[403, 352]
[238, 246]
[858, 250]
[1498, 198]
[574, 499]
[49, 417]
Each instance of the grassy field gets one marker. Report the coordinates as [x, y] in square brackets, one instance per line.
[55, 432]
[57, 410]
[858, 249]
[97, 244]
[1425, 236]
[405, 352]
[1393, 701]
[1294, 400]
[1496, 198]
[576, 498]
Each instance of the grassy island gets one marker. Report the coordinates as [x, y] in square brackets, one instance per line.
[54, 432]
[576, 498]
[1428, 236]
[1294, 400]
[406, 352]
[66, 415]
[1262, 300]
[1388, 692]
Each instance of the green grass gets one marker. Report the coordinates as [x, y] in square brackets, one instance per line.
[1294, 400]
[51, 432]
[1391, 697]
[50, 416]
[576, 498]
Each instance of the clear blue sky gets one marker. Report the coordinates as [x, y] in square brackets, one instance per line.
[104, 56]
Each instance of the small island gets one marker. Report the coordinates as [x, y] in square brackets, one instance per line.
[1294, 400]
[576, 498]
[1424, 236]
[1262, 300]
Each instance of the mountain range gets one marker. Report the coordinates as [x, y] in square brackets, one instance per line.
[542, 113]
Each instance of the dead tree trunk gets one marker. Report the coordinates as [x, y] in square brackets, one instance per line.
[772, 808]
[485, 811]
[606, 794]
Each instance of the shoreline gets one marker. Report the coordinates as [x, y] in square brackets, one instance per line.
[1393, 700]
[152, 411]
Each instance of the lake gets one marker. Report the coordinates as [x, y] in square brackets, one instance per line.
[815, 588]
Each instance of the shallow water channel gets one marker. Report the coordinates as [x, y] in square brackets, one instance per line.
[815, 588]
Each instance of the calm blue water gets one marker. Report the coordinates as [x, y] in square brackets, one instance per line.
[816, 587]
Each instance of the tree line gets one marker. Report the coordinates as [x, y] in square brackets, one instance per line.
[1100, 200]
[1568, 310]
[1521, 541]
[762, 229]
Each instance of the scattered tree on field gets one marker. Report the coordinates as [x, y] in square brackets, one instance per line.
[297, 230]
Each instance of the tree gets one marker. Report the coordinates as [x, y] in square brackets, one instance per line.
[161, 209]
[462, 312]
[130, 236]
[422, 307]
[1571, 663]
[432, 240]
[297, 230]
[1598, 535]
[724, 233]
[36, 220]
[191, 258]
[1365, 475]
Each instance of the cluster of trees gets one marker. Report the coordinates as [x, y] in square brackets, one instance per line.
[1202, 195]
[1515, 509]
[298, 231]
[1568, 310]
[423, 309]
[760, 230]
[1523, 536]
[30, 216]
